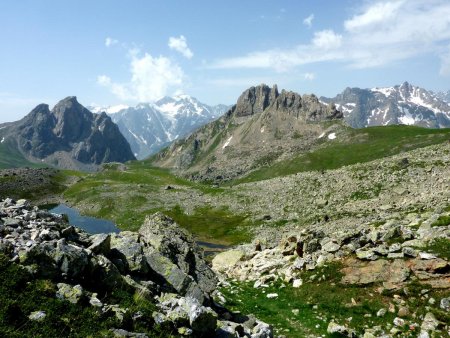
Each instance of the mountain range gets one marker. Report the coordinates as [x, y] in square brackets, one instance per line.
[402, 104]
[149, 127]
[68, 136]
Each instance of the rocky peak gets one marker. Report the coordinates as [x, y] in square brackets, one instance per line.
[72, 119]
[69, 136]
[256, 100]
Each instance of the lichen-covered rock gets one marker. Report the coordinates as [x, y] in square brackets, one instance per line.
[70, 293]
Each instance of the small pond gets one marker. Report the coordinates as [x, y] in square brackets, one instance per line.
[91, 225]
[95, 225]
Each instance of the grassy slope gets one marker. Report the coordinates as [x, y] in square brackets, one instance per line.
[361, 145]
[10, 157]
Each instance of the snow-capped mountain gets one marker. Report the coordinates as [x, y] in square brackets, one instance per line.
[149, 127]
[401, 104]
[444, 96]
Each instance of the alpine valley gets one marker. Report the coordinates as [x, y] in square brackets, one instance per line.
[283, 215]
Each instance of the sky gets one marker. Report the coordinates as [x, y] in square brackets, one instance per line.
[109, 52]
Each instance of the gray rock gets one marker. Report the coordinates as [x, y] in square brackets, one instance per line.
[203, 320]
[334, 328]
[121, 333]
[366, 255]
[430, 323]
[174, 243]
[410, 252]
[101, 244]
[37, 316]
[104, 274]
[125, 247]
[445, 304]
[71, 260]
[70, 293]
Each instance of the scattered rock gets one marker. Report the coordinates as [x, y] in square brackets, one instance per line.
[37, 316]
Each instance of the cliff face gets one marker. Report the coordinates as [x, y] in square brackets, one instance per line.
[68, 136]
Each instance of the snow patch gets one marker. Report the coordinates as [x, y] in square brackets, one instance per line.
[262, 129]
[385, 91]
[3, 140]
[322, 135]
[170, 109]
[332, 136]
[407, 118]
[227, 142]
[109, 109]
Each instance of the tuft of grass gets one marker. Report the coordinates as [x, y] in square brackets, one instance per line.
[356, 146]
[440, 247]
[442, 221]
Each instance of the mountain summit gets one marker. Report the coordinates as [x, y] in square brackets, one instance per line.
[402, 104]
[68, 136]
[149, 127]
[264, 126]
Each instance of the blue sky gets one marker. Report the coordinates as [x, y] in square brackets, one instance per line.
[108, 52]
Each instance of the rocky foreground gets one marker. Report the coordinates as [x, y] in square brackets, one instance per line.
[160, 263]
[396, 258]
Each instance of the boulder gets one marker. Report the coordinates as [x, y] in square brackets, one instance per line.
[73, 294]
[126, 252]
[227, 259]
[363, 273]
[104, 275]
[101, 244]
[176, 244]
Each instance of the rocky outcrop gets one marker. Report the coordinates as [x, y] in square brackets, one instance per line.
[160, 260]
[264, 126]
[68, 136]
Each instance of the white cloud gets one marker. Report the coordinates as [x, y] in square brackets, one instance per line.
[110, 42]
[380, 33]
[308, 21]
[376, 14]
[327, 39]
[324, 46]
[309, 76]
[180, 45]
[151, 78]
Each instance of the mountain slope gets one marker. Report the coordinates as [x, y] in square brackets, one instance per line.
[68, 136]
[149, 127]
[264, 126]
[403, 104]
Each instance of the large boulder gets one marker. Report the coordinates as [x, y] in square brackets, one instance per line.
[227, 259]
[179, 247]
[126, 252]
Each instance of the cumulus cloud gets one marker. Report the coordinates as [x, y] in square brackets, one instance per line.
[110, 42]
[308, 21]
[378, 33]
[309, 76]
[180, 45]
[151, 78]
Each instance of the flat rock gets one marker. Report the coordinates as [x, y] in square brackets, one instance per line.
[227, 259]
